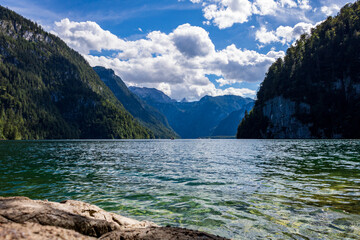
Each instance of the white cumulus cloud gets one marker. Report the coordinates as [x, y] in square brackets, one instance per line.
[86, 36]
[304, 4]
[222, 82]
[330, 10]
[283, 34]
[192, 41]
[226, 13]
[265, 7]
[288, 3]
[177, 63]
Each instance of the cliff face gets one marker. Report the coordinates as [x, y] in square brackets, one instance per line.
[282, 120]
[314, 91]
[48, 90]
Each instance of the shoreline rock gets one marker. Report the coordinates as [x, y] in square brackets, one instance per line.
[23, 218]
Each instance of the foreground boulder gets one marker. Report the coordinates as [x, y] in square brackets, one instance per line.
[23, 218]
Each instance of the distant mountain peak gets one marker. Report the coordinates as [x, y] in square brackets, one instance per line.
[199, 118]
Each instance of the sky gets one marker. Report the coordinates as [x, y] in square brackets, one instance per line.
[185, 48]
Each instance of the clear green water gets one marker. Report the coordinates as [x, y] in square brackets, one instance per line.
[241, 189]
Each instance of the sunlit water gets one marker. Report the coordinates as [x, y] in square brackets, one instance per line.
[241, 189]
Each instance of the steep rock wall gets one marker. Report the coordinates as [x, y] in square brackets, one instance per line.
[281, 113]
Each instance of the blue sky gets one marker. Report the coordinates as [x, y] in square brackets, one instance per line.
[186, 48]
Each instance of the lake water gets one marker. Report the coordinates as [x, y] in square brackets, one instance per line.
[241, 189]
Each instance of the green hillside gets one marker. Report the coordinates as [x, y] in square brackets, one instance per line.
[48, 91]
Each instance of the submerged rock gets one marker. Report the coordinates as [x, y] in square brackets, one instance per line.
[23, 218]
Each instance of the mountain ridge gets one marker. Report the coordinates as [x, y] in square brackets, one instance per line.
[228, 126]
[151, 94]
[195, 119]
[144, 113]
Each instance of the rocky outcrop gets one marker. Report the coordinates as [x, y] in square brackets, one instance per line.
[35, 231]
[23, 218]
[15, 31]
[281, 113]
[159, 233]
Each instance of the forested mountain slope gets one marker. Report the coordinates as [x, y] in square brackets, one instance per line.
[48, 91]
[314, 92]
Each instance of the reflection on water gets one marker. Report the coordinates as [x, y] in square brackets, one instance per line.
[242, 189]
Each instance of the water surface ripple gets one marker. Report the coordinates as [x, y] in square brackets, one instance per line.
[241, 189]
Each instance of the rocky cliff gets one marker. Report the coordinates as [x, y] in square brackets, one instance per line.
[313, 92]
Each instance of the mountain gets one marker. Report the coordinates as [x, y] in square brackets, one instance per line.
[147, 115]
[228, 126]
[151, 95]
[49, 91]
[314, 92]
[194, 119]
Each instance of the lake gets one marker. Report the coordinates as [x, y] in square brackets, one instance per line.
[240, 189]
